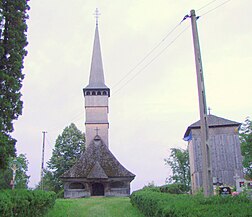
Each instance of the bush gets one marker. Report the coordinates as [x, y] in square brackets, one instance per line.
[170, 188]
[25, 203]
[156, 189]
[60, 194]
[5, 204]
[157, 204]
[174, 189]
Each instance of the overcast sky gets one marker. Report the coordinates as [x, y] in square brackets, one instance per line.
[151, 108]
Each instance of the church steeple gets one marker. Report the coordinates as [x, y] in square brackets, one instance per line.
[96, 95]
[96, 78]
[97, 172]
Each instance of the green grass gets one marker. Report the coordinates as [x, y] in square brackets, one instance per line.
[94, 207]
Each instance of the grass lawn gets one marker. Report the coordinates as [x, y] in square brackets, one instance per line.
[94, 207]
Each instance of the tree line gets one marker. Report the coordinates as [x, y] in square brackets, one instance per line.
[13, 40]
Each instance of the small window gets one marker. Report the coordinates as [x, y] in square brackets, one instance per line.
[87, 93]
[93, 93]
[76, 185]
[104, 93]
[99, 93]
[117, 184]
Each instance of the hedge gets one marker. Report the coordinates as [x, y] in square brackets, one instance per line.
[157, 204]
[174, 188]
[25, 203]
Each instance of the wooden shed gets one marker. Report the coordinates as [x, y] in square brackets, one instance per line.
[225, 151]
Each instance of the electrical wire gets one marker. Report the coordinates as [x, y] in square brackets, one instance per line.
[152, 60]
[75, 118]
[49, 142]
[158, 45]
[147, 55]
[215, 8]
[204, 6]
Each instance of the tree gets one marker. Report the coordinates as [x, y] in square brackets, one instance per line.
[21, 179]
[246, 147]
[13, 40]
[179, 163]
[68, 148]
[48, 181]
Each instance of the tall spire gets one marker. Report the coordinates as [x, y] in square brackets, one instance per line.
[96, 95]
[96, 78]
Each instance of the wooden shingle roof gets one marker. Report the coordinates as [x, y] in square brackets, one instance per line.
[97, 162]
[213, 121]
[96, 79]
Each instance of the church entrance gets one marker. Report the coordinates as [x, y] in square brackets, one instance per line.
[97, 189]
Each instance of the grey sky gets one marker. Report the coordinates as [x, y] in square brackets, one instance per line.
[151, 109]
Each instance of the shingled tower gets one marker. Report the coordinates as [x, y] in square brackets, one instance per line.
[226, 158]
[97, 172]
[96, 97]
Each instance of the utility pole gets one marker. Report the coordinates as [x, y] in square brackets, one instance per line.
[42, 164]
[206, 161]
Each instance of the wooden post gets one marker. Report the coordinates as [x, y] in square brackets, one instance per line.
[206, 162]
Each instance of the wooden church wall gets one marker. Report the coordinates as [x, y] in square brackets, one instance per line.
[225, 155]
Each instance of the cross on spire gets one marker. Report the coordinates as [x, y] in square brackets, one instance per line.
[96, 129]
[97, 14]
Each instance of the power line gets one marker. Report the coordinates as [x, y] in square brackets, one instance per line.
[225, 2]
[204, 6]
[147, 55]
[152, 60]
[75, 118]
[158, 45]
[49, 142]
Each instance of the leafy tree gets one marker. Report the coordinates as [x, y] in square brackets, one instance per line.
[246, 147]
[13, 40]
[48, 181]
[68, 148]
[179, 163]
[21, 179]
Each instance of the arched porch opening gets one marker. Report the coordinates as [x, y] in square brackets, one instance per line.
[97, 189]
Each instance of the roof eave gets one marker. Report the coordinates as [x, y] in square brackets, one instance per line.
[188, 130]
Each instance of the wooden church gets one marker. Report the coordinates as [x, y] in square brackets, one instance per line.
[225, 151]
[97, 172]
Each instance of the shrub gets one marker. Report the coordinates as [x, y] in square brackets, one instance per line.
[174, 189]
[5, 204]
[25, 203]
[60, 194]
[157, 204]
[156, 189]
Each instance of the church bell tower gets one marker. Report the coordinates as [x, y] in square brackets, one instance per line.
[97, 172]
[96, 95]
